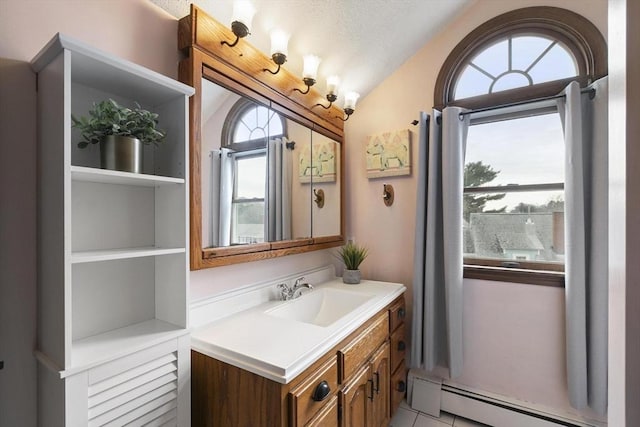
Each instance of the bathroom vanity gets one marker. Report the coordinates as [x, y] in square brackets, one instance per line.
[334, 356]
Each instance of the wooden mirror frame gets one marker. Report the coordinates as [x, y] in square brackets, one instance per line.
[240, 69]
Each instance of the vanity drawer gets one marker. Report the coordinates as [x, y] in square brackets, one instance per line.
[398, 387]
[397, 313]
[398, 347]
[327, 417]
[312, 394]
[356, 353]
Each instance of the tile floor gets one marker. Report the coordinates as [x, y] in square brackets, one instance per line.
[408, 417]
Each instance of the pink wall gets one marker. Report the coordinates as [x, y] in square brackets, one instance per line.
[514, 334]
[528, 365]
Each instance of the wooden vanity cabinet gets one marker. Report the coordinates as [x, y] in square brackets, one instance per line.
[350, 386]
[397, 314]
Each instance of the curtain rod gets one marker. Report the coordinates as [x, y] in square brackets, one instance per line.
[590, 91]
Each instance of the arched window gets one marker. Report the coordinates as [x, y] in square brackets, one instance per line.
[513, 195]
[523, 54]
[518, 60]
[246, 131]
[249, 125]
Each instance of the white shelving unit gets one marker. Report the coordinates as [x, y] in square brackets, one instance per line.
[113, 249]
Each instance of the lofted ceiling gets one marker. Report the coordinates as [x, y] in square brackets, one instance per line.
[361, 41]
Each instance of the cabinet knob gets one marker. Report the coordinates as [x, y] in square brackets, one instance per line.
[402, 386]
[321, 392]
[401, 346]
[401, 313]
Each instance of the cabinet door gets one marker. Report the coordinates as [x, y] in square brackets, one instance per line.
[356, 398]
[380, 373]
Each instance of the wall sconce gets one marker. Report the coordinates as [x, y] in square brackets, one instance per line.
[387, 194]
[243, 12]
[279, 41]
[309, 72]
[319, 198]
[332, 91]
[350, 99]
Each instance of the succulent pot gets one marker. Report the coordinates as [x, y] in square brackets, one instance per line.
[351, 277]
[121, 153]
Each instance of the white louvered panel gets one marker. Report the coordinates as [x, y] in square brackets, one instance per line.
[115, 397]
[171, 423]
[160, 416]
[136, 409]
[102, 372]
[122, 377]
[166, 419]
[145, 392]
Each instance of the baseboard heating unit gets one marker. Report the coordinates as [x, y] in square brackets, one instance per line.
[432, 396]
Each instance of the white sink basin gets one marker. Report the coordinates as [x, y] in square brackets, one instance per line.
[320, 307]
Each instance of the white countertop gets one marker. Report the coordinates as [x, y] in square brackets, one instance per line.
[278, 348]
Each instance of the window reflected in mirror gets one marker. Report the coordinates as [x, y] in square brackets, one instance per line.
[259, 174]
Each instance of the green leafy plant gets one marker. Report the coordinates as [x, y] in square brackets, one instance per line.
[352, 255]
[110, 118]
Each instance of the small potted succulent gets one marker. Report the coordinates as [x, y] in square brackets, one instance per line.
[121, 131]
[352, 256]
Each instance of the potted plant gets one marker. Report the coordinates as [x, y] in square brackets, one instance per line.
[121, 131]
[352, 256]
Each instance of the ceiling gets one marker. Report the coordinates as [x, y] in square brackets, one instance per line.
[361, 41]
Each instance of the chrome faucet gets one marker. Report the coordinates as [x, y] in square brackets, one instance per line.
[295, 291]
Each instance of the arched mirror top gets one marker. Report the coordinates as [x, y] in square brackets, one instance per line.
[258, 152]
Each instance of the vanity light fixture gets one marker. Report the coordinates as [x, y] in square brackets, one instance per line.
[279, 41]
[350, 99]
[332, 91]
[243, 12]
[309, 72]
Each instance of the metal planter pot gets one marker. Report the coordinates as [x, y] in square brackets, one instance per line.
[121, 153]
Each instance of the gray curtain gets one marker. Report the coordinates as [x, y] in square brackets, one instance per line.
[586, 237]
[223, 164]
[279, 176]
[437, 277]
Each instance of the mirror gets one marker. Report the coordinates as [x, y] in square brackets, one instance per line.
[266, 162]
[260, 172]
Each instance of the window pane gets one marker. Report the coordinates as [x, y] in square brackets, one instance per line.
[510, 81]
[250, 177]
[242, 132]
[262, 116]
[275, 125]
[528, 150]
[494, 59]
[528, 227]
[526, 49]
[556, 64]
[254, 124]
[471, 83]
[248, 222]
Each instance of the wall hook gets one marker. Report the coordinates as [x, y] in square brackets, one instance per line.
[387, 194]
[319, 197]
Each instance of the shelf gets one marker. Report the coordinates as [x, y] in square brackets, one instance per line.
[126, 253]
[98, 349]
[99, 69]
[106, 176]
